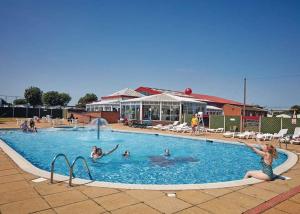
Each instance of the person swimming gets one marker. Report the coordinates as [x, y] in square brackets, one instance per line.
[267, 153]
[126, 154]
[98, 153]
[24, 126]
[167, 153]
[94, 152]
[32, 126]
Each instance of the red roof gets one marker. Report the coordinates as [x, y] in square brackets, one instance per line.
[203, 97]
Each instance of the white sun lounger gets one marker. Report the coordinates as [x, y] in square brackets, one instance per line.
[246, 135]
[281, 133]
[158, 126]
[168, 127]
[218, 130]
[296, 133]
[228, 134]
[264, 137]
[178, 127]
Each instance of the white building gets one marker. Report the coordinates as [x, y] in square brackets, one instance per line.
[164, 106]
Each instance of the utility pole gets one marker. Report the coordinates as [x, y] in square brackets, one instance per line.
[244, 107]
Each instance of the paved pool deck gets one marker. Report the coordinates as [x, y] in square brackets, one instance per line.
[19, 194]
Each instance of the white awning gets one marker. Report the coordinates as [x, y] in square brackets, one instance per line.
[105, 102]
[163, 98]
[284, 116]
[126, 92]
[208, 107]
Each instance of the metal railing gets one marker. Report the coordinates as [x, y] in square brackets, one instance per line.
[53, 162]
[71, 167]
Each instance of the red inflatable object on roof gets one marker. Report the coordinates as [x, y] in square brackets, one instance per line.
[188, 91]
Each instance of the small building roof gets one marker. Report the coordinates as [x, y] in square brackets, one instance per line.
[284, 116]
[213, 108]
[126, 92]
[202, 97]
[164, 97]
[105, 102]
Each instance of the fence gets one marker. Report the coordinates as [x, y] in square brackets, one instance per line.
[229, 123]
[274, 124]
[30, 112]
[265, 124]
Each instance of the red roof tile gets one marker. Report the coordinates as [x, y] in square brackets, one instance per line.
[203, 97]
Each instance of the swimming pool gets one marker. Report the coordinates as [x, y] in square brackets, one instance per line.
[191, 161]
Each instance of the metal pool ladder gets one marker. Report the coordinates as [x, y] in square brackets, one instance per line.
[71, 167]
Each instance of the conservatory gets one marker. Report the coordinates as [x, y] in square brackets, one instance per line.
[104, 105]
[164, 107]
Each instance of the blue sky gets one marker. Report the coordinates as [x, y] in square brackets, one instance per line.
[103, 46]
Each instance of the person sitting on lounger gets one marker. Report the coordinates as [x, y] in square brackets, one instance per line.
[267, 153]
[126, 154]
[98, 153]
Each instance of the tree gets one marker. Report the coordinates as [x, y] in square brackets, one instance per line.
[20, 102]
[33, 96]
[51, 98]
[88, 98]
[64, 99]
[295, 107]
[54, 98]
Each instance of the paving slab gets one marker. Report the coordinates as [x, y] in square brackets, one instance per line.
[64, 198]
[145, 195]
[87, 207]
[168, 205]
[137, 208]
[258, 193]
[296, 198]
[26, 206]
[222, 205]
[218, 192]
[274, 187]
[274, 211]
[18, 195]
[13, 186]
[194, 196]
[11, 178]
[116, 201]
[243, 200]
[45, 188]
[289, 207]
[193, 210]
[49, 211]
[93, 192]
[8, 172]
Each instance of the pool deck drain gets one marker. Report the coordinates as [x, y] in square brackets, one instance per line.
[20, 195]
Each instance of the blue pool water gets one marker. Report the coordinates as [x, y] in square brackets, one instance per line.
[191, 161]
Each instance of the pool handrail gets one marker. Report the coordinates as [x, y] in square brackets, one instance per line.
[53, 162]
[72, 166]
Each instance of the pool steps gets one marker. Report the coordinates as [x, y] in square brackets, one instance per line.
[71, 167]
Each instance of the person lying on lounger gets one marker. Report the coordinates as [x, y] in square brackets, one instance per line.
[98, 153]
[267, 153]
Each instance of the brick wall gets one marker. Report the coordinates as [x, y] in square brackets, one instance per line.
[86, 117]
[232, 110]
